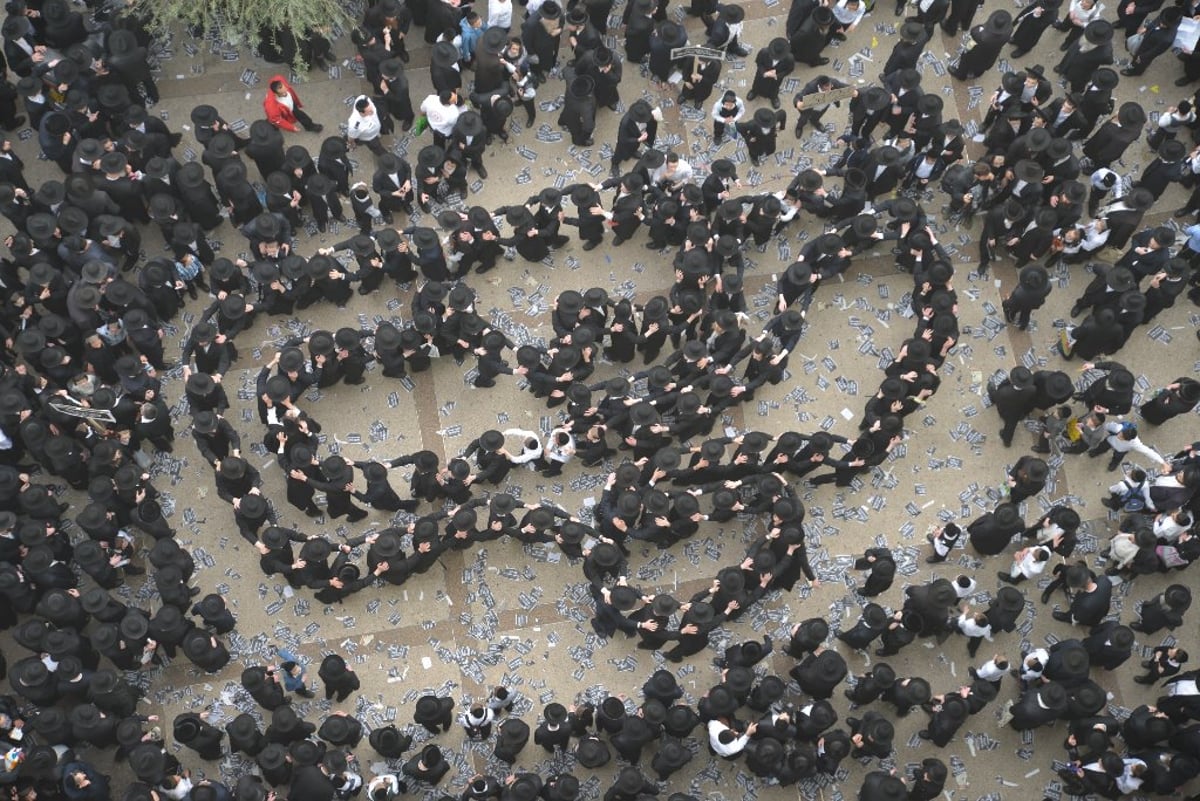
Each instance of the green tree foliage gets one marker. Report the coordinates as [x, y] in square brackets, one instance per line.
[243, 21]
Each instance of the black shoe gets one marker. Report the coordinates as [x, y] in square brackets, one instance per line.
[1019, 52]
[1144, 679]
[1046, 593]
[312, 511]
[130, 570]
[482, 171]
[1062, 617]
[775, 103]
[1130, 71]
[317, 127]
[923, 734]
[1183, 81]
[591, 245]
[16, 123]
[1007, 578]
[752, 95]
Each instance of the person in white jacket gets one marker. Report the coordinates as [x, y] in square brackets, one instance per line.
[1169, 525]
[728, 109]
[724, 741]
[385, 787]
[1123, 438]
[560, 447]
[1027, 563]
[365, 126]
[442, 111]
[975, 627]
[531, 447]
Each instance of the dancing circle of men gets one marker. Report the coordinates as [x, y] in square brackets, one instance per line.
[82, 395]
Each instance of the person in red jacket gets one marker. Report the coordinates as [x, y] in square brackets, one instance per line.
[284, 109]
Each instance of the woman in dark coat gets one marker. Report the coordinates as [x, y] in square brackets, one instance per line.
[989, 38]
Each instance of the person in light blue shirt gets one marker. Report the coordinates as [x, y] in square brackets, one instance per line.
[1193, 242]
[472, 28]
[292, 674]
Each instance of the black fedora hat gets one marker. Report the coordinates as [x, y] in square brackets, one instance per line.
[672, 34]
[592, 753]
[999, 23]
[1034, 277]
[1098, 32]
[1120, 279]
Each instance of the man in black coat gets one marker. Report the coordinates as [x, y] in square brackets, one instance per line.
[1090, 604]
[1109, 645]
[638, 127]
[1002, 226]
[697, 623]
[1033, 287]
[1182, 702]
[806, 115]
[988, 38]
[929, 779]
[906, 51]
[879, 785]
[872, 684]
[1039, 706]
[1080, 66]
[772, 64]
[1164, 610]
[1014, 398]
[1157, 37]
[820, 673]
[1109, 142]
[991, 532]
[759, 133]
[630, 785]
[1111, 394]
